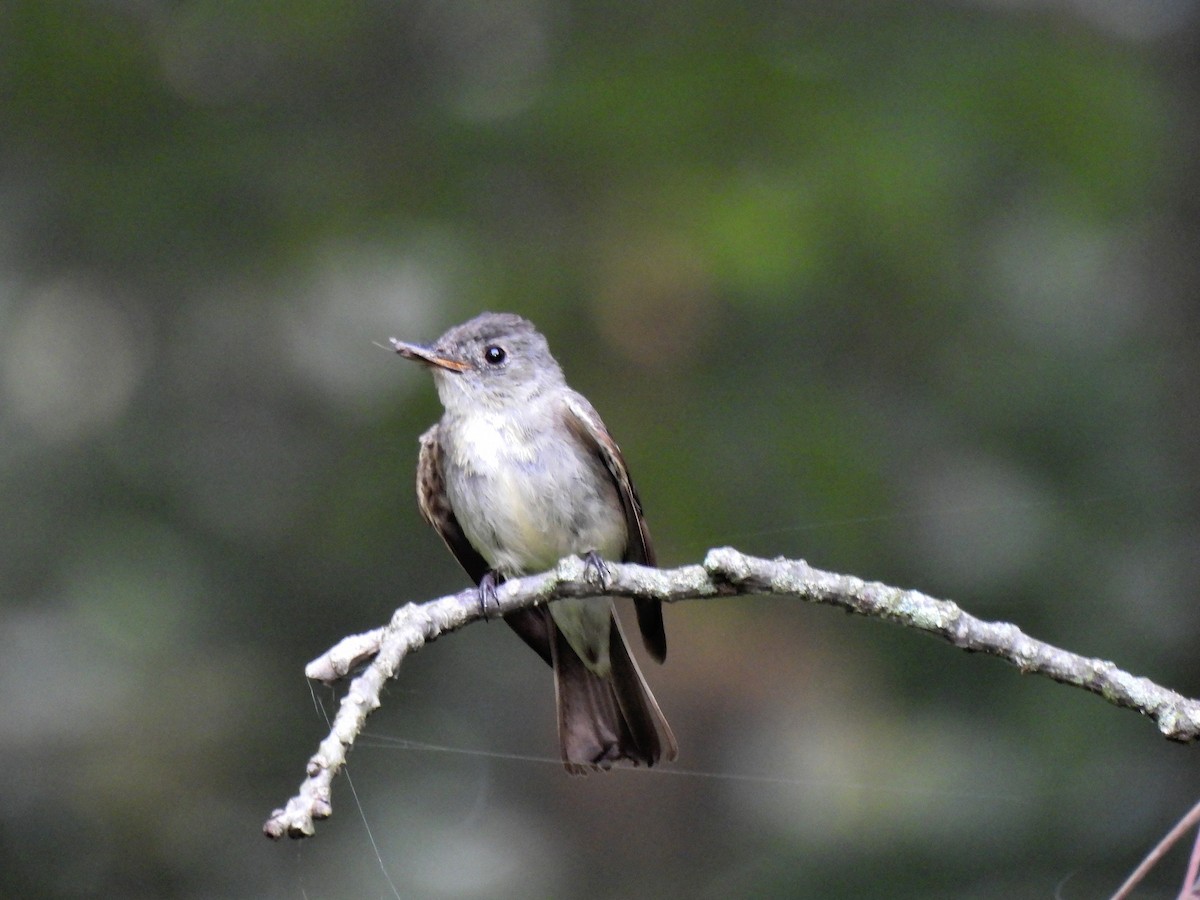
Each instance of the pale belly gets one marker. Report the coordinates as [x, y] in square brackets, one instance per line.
[526, 504]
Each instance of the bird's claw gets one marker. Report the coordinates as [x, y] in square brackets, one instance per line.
[488, 601]
[596, 569]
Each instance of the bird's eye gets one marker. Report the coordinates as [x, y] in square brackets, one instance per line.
[494, 355]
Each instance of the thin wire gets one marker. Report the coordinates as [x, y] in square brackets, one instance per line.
[385, 741]
[901, 516]
[357, 802]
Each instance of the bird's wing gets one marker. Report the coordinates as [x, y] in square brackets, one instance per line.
[585, 423]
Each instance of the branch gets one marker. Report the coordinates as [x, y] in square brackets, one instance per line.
[724, 573]
[1155, 856]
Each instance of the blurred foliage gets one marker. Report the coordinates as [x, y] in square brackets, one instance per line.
[907, 290]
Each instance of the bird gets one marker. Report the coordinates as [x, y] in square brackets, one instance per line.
[519, 472]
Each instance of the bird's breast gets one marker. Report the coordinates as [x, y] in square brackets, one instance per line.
[527, 493]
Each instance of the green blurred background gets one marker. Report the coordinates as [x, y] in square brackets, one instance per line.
[909, 291]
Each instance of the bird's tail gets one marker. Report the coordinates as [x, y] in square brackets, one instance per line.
[606, 719]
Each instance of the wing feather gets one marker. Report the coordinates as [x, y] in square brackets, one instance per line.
[585, 423]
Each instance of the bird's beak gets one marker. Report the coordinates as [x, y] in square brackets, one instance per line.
[427, 356]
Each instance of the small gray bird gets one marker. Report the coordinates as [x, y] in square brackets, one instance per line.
[520, 472]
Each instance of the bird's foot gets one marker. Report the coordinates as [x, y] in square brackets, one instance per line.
[488, 601]
[596, 569]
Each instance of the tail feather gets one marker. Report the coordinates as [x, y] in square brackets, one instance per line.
[606, 719]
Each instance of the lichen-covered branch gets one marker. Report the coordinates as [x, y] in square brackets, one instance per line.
[724, 573]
